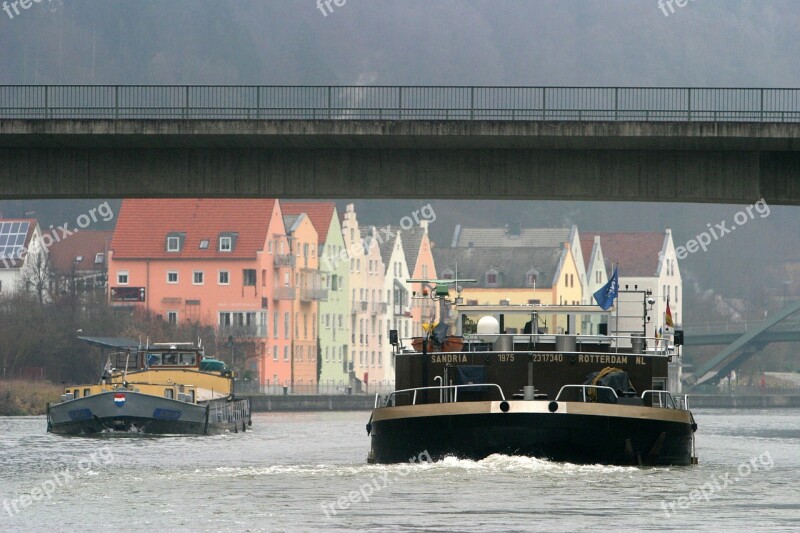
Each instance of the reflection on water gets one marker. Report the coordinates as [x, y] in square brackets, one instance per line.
[303, 472]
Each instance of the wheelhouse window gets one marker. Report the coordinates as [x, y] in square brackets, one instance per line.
[169, 393]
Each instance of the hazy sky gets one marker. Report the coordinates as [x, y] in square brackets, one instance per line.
[521, 42]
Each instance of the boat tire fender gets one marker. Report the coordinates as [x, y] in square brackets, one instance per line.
[552, 407]
[504, 406]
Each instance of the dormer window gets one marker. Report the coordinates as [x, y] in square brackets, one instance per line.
[227, 241]
[173, 244]
[531, 277]
[491, 278]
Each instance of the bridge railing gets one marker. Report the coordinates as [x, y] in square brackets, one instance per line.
[649, 104]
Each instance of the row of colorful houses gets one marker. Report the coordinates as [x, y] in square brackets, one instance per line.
[306, 295]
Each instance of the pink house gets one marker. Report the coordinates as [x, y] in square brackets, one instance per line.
[215, 262]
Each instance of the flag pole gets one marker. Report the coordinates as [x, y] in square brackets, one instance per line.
[616, 310]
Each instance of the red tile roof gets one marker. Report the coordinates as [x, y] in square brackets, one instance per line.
[587, 245]
[320, 214]
[637, 253]
[143, 225]
[85, 244]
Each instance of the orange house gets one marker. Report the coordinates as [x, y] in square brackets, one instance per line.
[213, 262]
[308, 291]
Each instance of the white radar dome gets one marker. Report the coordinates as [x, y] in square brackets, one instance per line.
[488, 328]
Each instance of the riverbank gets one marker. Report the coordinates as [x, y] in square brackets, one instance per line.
[26, 398]
[297, 402]
[709, 401]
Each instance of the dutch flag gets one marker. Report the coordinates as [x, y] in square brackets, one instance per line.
[119, 399]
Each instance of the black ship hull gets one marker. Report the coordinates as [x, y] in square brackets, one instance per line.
[575, 433]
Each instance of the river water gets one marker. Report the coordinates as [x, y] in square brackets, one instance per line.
[307, 472]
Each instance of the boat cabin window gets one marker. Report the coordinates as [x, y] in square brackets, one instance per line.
[169, 359]
[153, 359]
[169, 393]
[76, 393]
[87, 392]
[188, 359]
[191, 395]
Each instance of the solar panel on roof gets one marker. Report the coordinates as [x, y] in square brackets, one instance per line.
[12, 239]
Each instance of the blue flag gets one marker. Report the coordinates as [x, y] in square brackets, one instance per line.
[606, 294]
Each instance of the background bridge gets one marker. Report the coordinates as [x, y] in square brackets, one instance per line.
[725, 145]
[742, 342]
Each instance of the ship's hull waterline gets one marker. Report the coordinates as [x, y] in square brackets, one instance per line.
[142, 413]
[579, 433]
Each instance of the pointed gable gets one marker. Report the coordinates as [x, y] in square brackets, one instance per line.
[320, 214]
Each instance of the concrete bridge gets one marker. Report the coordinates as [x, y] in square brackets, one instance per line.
[638, 144]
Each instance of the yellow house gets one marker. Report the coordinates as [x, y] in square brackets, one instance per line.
[513, 276]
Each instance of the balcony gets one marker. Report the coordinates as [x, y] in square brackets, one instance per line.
[241, 331]
[284, 260]
[285, 293]
[378, 308]
[364, 306]
[313, 294]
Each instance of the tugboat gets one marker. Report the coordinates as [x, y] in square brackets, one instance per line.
[542, 391]
[167, 388]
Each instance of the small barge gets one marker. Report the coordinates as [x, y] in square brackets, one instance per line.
[169, 388]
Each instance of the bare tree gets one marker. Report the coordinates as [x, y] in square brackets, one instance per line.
[36, 274]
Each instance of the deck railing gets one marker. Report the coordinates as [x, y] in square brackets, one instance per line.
[290, 102]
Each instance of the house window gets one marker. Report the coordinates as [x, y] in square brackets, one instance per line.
[597, 278]
[172, 276]
[122, 277]
[173, 244]
[204, 244]
[249, 275]
[491, 277]
[225, 244]
[275, 355]
[286, 325]
[275, 318]
[197, 277]
[172, 317]
[224, 277]
[99, 259]
[285, 353]
[269, 247]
